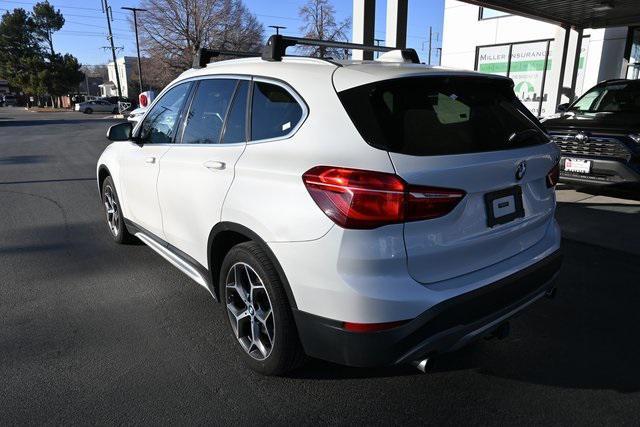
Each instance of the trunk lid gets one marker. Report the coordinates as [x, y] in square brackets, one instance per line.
[463, 132]
[463, 241]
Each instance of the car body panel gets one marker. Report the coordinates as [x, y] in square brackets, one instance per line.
[184, 179]
[138, 175]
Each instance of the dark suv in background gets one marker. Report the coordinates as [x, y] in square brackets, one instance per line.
[599, 135]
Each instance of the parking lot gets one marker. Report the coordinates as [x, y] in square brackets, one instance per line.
[95, 332]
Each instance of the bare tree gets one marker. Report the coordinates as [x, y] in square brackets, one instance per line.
[320, 23]
[172, 31]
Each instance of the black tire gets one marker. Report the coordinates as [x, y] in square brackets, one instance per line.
[117, 229]
[88, 111]
[286, 351]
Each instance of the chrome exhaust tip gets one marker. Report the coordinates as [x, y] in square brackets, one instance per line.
[422, 365]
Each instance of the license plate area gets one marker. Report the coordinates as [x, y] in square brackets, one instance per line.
[577, 165]
[503, 206]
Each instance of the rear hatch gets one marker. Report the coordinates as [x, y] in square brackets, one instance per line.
[465, 133]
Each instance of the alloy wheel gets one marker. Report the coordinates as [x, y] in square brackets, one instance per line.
[250, 311]
[112, 210]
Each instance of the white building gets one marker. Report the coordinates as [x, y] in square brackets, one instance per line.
[490, 41]
[126, 67]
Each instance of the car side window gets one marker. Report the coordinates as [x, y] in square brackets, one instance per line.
[160, 125]
[235, 127]
[274, 111]
[204, 121]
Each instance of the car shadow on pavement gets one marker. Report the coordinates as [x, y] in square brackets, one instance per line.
[585, 338]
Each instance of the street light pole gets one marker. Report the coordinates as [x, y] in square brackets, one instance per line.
[278, 28]
[135, 26]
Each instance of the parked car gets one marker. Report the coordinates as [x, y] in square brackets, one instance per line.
[599, 135]
[9, 101]
[98, 106]
[136, 114]
[367, 213]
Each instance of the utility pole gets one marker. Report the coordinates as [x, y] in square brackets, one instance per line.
[321, 33]
[135, 25]
[439, 55]
[430, 36]
[277, 28]
[106, 9]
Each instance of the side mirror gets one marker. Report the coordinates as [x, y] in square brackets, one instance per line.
[563, 107]
[120, 132]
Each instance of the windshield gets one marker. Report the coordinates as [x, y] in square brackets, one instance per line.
[426, 116]
[619, 97]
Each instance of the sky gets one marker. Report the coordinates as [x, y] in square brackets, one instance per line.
[85, 29]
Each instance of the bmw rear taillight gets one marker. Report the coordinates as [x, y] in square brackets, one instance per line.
[361, 199]
[553, 176]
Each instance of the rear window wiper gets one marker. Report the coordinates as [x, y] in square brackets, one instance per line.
[523, 135]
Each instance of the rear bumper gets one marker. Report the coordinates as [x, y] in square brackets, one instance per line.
[444, 327]
[603, 172]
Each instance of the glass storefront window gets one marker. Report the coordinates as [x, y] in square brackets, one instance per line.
[486, 13]
[527, 70]
[493, 60]
[525, 64]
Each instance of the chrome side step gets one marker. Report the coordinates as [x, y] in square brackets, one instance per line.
[174, 259]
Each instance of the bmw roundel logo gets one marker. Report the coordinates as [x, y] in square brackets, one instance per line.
[521, 170]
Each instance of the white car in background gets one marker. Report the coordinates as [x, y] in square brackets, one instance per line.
[97, 106]
[367, 213]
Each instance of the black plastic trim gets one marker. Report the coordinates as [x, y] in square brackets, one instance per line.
[277, 45]
[250, 235]
[204, 56]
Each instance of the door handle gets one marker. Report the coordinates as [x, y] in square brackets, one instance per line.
[215, 165]
[150, 160]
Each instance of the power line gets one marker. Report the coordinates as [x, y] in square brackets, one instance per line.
[59, 6]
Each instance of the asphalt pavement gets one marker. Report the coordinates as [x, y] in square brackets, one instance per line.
[96, 333]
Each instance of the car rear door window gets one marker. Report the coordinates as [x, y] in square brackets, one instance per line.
[274, 111]
[160, 124]
[206, 116]
[236, 124]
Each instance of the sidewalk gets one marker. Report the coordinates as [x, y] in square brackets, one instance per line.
[600, 217]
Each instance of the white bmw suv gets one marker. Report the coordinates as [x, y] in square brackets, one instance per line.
[363, 212]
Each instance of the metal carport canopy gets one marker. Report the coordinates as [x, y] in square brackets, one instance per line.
[574, 13]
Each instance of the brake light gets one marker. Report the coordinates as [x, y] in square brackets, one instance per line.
[360, 199]
[553, 176]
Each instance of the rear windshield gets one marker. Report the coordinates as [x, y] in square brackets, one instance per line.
[428, 116]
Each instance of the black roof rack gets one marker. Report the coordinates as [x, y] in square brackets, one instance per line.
[277, 45]
[203, 56]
